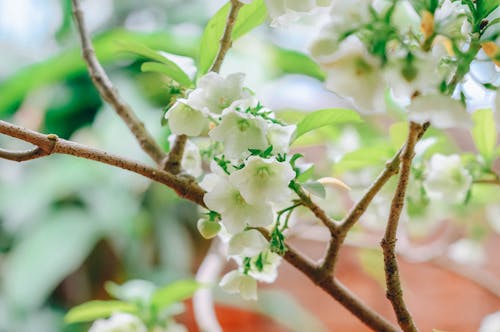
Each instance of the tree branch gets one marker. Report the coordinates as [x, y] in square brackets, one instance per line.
[394, 289]
[20, 156]
[173, 161]
[110, 94]
[226, 41]
[49, 144]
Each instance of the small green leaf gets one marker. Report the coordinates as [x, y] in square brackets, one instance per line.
[484, 134]
[249, 17]
[315, 188]
[376, 155]
[170, 69]
[326, 117]
[93, 310]
[398, 133]
[291, 61]
[305, 172]
[143, 51]
[176, 292]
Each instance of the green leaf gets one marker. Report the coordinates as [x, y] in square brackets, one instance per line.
[249, 17]
[315, 188]
[290, 61]
[485, 7]
[398, 133]
[46, 255]
[93, 310]
[306, 172]
[484, 134]
[171, 70]
[173, 293]
[376, 155]
[326, 117]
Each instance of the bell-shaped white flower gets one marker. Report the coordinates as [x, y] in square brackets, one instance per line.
[405, 18]
[269, 271]
[240, 131]
[284, 12]
[416, 74]
[348, 15]
[450, 18]
[446, 179]
[249, 243]
[236, 282]
[280, 137]
[263, 180]
[236, 213]
[215, 93]
[185, 120]
[442, 111]
[355, 74]
[119, 322]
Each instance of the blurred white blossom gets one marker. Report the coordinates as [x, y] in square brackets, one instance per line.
[119, 322]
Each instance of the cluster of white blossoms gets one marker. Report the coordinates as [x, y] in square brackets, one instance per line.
[283, 12]
[250, 172]
[124, 322]
[371, 47]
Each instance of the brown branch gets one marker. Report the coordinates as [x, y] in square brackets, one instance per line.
[495, 182]
[226, 41]
[394, 289]
[20, 156]
[316, 210]
[110, 94]
[173, 161]
[183, 186]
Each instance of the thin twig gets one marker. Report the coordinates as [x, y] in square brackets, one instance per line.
[183, 186]
[394, 289]
[495, 182]
[110, 94]
[173, 161]
[335, 289]
[20, 156]
[226, 40]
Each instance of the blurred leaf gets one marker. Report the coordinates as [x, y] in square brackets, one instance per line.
[306, 172]
[485, 7]
[326, 117]
[69, 64]
[131, 291]
[484, 134]
[315, 188]
[175, 292]
[376, 155]
[171, 70]
[249, 17]
[93, 310]
[294, 62]
[44, 257]
[398, 133]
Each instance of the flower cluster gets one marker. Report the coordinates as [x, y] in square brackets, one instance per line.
[370, 48]
[250, 172]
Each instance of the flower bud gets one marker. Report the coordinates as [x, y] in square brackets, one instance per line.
[208, 229]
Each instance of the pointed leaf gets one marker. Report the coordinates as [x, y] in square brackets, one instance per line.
[170, 69]
[326, 117]
[93, 310]
[484, 134]
[176, 292]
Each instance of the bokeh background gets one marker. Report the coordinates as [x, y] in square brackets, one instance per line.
[67, 226]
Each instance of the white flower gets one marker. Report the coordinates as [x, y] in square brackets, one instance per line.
[280, 137]
[215, 93]
[185, 120]
[450, 19]
[440, 110]
[263, 180]
[237, 282]
[348, 15]
[247, 244]
[119, 322]
[240, 132]
[270, 263]
[353, 73]
[417, 74]
[405, 18]
[236, 213]
[491, 323]
[283, 12]
[191, 158]
[467, 252]
[446, 179]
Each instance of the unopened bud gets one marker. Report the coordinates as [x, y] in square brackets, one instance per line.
[427, 24]
[208, 229]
